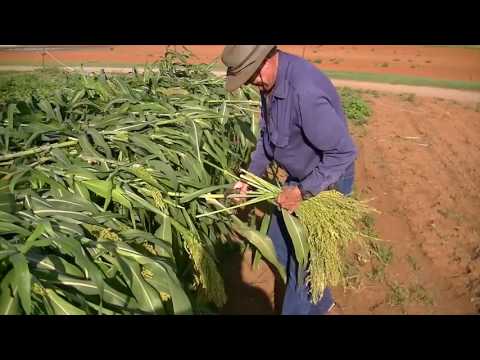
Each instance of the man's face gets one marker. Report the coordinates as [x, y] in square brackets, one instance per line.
[266, 75]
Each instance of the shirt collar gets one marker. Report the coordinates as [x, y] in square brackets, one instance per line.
[280, 90]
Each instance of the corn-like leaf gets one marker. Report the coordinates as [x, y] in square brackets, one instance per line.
[80, 174]
[100, 142]
[7, 217]
[264, 244]
[81, 190]
[8, 228]
[165, 280]
[87, 148]
[9, 303]
[74, 248]
[164, 232]
[54, 263]
[66, 215]
[196, 194]
[62, 306]
[110, 295]
[298, 236]
[23, 280]
[31, 239]
[102, 188]
[166, 169]
[119, 196]
[47, 108]
[61, 156]
[148, 299]
[7, 203]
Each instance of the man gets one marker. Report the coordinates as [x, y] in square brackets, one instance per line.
[304, 130]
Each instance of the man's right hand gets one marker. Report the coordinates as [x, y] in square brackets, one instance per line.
[241, 191]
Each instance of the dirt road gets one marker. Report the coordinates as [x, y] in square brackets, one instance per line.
[422, 91]
[425, 61]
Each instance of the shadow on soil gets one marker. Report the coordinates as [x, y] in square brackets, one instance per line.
[243, 297]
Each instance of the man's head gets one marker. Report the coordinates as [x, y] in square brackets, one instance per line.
[254, 64]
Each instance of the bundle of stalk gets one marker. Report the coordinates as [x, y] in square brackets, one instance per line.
[327, 223]
[100, 183]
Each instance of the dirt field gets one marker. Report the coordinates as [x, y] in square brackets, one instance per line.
[426, 61]
[419, 160]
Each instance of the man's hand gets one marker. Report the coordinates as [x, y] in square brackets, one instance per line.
[241, 188]
[290, 198]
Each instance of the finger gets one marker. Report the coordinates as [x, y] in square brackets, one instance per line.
[291, 205]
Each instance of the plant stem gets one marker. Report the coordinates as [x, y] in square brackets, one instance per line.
[37, 150]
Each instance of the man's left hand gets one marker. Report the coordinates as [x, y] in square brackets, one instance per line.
[290, 198]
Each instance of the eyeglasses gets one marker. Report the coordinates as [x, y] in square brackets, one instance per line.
[255, 74]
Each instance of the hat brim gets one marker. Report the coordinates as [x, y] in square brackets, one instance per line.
[234, 81]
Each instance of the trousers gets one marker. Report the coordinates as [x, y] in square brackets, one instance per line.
[297, 298]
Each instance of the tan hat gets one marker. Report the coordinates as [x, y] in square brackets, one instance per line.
[242, 61]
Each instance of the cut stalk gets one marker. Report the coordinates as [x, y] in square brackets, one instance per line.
[37, 150]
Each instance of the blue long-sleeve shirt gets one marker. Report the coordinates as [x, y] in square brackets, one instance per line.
[304, 128]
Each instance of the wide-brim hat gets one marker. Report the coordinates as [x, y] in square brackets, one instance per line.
[242, 61]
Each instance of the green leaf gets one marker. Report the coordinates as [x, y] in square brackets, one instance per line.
[61, 156]
[81, 190]
[65, 215]
[257, 257]
[6, 253]
[142, 202]
[102, 188]
[8, 228]
[68, 229]
[180, 300]
[80, 174]
[68, 204]
[78, 96]
[196, 137]
[7, 217]
[7, 203]
[9, 304]
[263, 243]
[298, 236]
[119, 196]
[12, 109]
[195, 194]
[31, 239]
[47, 108]
[144, 142]
[100, 141]
[54, 263]
[266, 220]
[166, 169]
[62, 306]
[86, 287]
[148, 299]
[17, 178]
[164, 232]
[22, 279]
[87, 148]
[74, 248]
[166, 281]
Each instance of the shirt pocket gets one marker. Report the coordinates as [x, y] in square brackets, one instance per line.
[281, 118]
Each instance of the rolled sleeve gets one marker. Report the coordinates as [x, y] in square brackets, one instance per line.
[328, 133]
